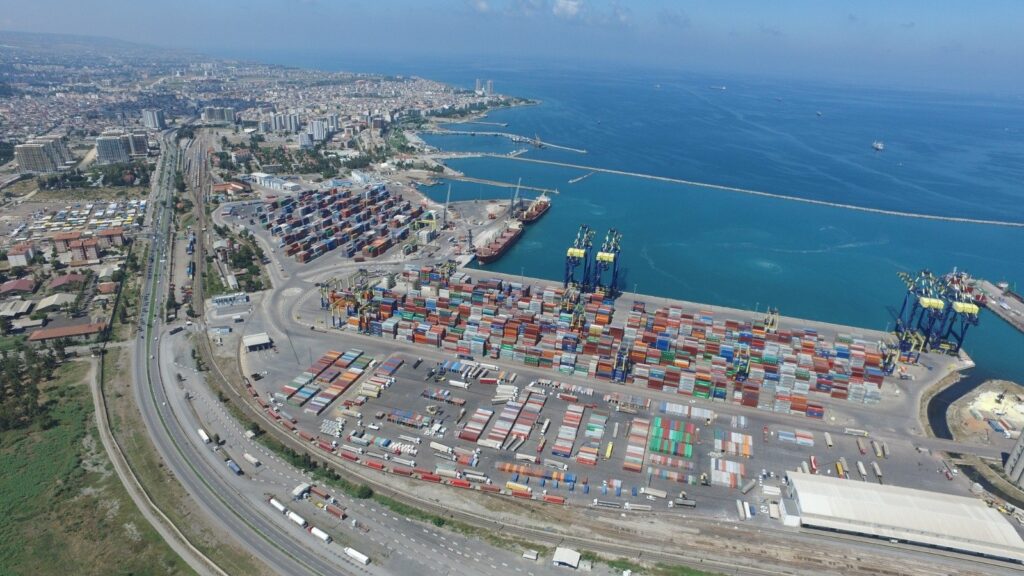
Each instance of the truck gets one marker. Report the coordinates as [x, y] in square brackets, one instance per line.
[877, 470]
[458, 384]
[320, 534]
[234, 467]
[748, 486]
[828, 439]
[556, 464]
[296, 518]
[300, 491]
[638, 507]
[606, 504]
[861, 447]
[357, 556]
[175, 330]
[654, 492]
[684, 502]
[278, 506]
[251, 459]
[204, 436]
[862, 470]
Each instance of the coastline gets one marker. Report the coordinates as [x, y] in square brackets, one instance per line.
[928, 394]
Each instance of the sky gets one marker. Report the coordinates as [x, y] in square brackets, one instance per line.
[971, 46]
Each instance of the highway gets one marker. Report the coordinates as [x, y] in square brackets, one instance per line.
[239, 504]
[230, 512]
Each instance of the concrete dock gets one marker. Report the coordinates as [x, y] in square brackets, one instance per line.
[1007, 306]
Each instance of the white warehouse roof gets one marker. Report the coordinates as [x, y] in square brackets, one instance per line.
[909, 515]
[256, 340]
[566, 557]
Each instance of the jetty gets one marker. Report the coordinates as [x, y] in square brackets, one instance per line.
[720, 187]
[499, 183]
[535, 141]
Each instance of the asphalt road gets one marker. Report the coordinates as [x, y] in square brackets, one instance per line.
[204, 481]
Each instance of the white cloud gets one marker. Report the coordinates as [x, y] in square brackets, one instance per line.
[481, 6]
[567, 8]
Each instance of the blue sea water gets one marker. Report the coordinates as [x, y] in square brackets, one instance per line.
[945, 154]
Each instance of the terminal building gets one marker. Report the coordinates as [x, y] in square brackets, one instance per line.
[153, 118]
[905, 515]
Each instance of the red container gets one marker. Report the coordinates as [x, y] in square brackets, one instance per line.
[318, 491]
[335, 511]
[459, 483]
[430, 477]
[401, 470]
[375, 464]
[306, 436]
[349, 456]
[288, 425]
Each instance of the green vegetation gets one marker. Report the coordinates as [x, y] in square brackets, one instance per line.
[212, 286]
[179, 181]
[111, 176]
[22, 374]
[165, 491]
[11, 342]
[62, 509]
[88, 194]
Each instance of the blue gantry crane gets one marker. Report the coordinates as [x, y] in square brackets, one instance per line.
[936, 312]
[608, 259]
[579, 254]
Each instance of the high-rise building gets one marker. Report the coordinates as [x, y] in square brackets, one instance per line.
[218, 114]
[479, 87]
[153, 118]
[1015, 463]
[490, 87]
[305, 140]
[318, 129]
[113, 148]
[293, 123]
[43, 155]
[138, 144]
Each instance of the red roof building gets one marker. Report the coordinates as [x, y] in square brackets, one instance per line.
[20, 286]
[77, 331]
[70, 280]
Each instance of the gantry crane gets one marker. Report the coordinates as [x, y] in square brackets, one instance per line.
[577, 254]
[608, 259]
[936, 312]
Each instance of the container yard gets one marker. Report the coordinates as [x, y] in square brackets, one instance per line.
[545, 439]
[693, 353]
[357, 223]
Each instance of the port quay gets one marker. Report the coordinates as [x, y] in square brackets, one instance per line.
[421, 375]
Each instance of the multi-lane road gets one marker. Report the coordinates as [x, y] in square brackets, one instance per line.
[236, 506]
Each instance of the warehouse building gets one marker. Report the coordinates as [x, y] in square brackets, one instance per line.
[906, 515]
[255, 342]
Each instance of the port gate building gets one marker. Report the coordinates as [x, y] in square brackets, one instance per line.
[932, 519]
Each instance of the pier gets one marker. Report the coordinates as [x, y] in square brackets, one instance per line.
[1007, 305]
[723, 188]
[500, 184]
[536, 141]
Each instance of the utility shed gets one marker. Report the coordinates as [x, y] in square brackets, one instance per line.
[566, 557]
[932, 519]
[255, 342]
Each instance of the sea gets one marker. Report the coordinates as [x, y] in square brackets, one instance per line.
[945, 153]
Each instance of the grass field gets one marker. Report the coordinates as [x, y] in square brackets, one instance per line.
[127, 426]
[63, 509]
[21, 187]
[9, 342]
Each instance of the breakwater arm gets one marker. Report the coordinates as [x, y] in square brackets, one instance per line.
[723, 188]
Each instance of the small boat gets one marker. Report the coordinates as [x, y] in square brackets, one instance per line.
[878, 145]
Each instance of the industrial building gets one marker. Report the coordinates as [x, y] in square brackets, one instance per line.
[44, 155]
[1015, 463]
[906, 515]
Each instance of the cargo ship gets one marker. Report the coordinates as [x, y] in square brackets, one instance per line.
[536, 209]
[497, 247]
